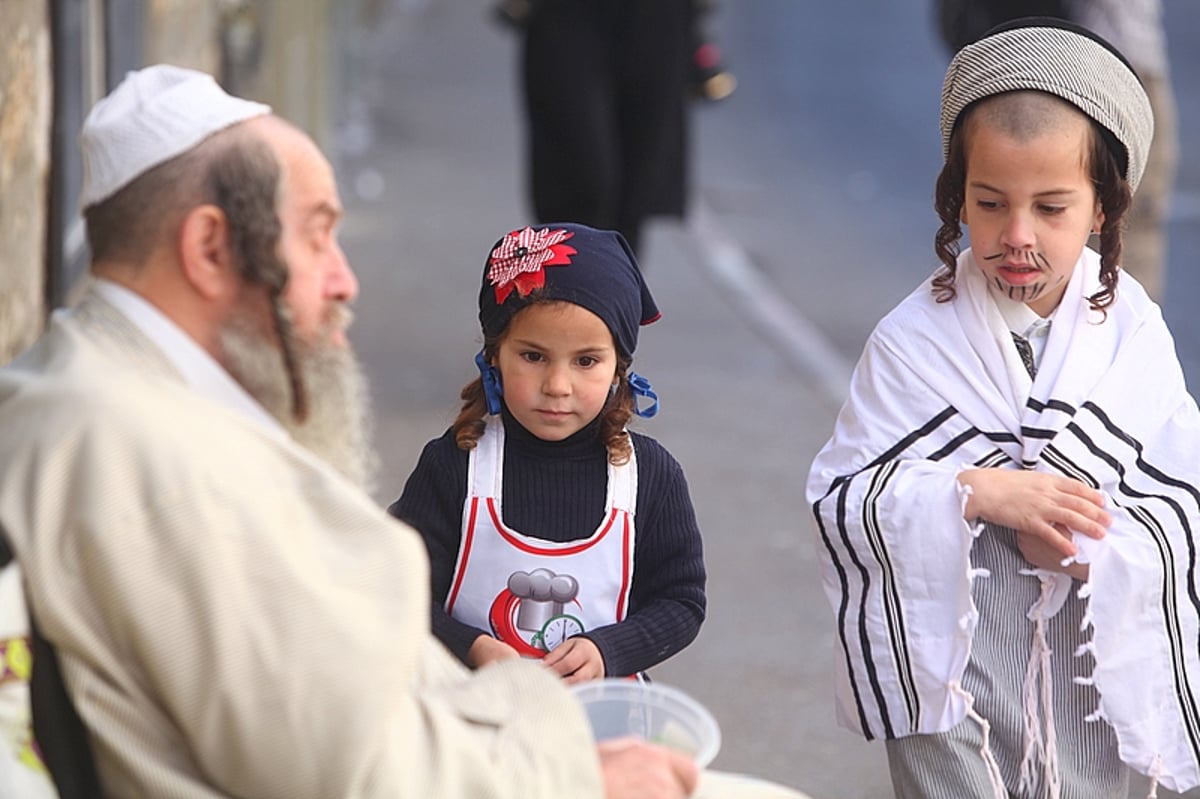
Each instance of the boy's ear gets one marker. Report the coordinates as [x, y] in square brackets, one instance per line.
[204, 252]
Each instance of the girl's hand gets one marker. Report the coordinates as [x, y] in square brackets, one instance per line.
[576, 660]
[487, 649]
[1042, 508]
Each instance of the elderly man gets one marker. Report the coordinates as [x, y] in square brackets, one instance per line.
[185, 454]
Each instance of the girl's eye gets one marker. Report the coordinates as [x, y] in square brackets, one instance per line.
[988, 205]
[532, 357]
[1052, 209]
[587, 360]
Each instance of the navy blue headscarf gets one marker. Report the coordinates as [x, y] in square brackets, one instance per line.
[592, 268]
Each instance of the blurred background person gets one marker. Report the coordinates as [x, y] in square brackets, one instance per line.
[605, 85]
[1135, 27]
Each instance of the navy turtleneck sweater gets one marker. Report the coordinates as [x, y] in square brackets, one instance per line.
[552, 490]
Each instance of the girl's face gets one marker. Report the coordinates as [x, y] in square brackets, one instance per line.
[1030, 205]
[557, 362]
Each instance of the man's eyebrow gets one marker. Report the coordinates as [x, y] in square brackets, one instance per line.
[325, 210]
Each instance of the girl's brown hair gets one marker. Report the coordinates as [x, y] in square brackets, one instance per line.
[472, 417]
[1112, 190]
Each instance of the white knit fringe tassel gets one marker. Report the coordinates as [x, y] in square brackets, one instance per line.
[1155, 773]
[1039, 747]
[989, 760]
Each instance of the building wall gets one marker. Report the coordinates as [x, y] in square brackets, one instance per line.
[283, 57]
[25, 93]
[183, 32]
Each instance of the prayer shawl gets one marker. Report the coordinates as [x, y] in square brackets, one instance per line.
[937, 391]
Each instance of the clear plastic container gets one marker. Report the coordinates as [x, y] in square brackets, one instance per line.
[652, 711]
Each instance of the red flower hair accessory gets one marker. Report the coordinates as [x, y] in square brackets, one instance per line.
[519, 260]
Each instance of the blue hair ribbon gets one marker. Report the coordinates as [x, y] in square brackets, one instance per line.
[641, 388]
[492, 390]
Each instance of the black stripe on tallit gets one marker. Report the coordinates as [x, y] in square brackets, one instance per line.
[1051, 404]
[1159, 476]
[893, 451]
[995, 458]
[841, 612]
[891, 596]
[1068, 467]
[1187, 700]
[1186, 696]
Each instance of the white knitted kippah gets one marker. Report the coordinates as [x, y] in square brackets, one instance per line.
[153, 115]
[1060, 59]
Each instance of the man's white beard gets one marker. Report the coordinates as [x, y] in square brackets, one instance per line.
[339, 426]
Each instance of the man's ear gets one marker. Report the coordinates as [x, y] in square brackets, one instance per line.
[205, 252]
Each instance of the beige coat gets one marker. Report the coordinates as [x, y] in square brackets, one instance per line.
[233, 618]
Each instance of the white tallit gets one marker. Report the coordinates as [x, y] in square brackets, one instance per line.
[936, 392]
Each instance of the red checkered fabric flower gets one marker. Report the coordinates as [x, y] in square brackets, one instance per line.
[519, 260]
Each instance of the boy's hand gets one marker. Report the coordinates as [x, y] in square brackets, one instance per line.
[1045, 556]
[1042, 508]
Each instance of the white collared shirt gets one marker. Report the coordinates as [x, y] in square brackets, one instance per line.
[1025, 322]
[201, 373]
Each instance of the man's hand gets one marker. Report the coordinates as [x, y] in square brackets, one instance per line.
[634, 769]
[576, 660]
[1042, 508]
[487, 649]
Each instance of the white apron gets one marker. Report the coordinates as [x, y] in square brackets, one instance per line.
[530, 593]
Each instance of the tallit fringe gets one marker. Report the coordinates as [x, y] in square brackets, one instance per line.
[1040, 747]
[1155, 773]
[985, 750]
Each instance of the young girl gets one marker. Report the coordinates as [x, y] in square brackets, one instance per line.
[553, 532]
[1005, 510]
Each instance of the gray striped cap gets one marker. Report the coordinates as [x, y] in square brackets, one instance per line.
[1059, 59]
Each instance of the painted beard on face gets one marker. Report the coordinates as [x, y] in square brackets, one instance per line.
[338, 426]
[1025, 260]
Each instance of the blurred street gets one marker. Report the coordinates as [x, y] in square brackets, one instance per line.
[811, 217]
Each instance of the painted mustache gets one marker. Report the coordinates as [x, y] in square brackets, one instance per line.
[1023, 258]
[1030, 258]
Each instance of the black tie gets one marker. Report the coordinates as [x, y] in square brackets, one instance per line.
[1026, 353]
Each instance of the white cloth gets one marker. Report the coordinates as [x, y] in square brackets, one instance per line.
[932, 396]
